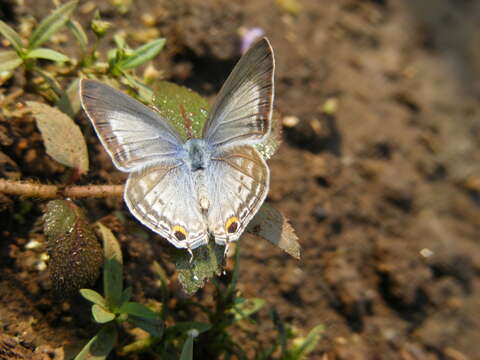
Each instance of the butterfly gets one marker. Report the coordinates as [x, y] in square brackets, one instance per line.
[191, 190]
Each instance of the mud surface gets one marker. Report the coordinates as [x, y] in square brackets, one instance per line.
[380, 176]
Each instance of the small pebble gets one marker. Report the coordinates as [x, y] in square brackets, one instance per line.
[290, 121]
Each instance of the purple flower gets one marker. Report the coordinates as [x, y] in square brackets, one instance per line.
[249, 36]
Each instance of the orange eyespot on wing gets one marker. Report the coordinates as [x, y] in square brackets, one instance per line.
[179, 232]
[231, 225]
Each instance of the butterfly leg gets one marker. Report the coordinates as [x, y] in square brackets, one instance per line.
[191, 253]
[227, 245]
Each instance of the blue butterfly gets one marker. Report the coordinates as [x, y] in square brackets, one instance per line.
[189, 190]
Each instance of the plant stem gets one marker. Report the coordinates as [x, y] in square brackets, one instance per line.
[58, 191]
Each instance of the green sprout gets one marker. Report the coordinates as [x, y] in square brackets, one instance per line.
[115, 307]
[28, 53]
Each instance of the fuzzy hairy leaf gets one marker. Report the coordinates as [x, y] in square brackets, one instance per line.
[75, 253]
[207, 262]
[51, 24]
[62, 137]
[185, 109]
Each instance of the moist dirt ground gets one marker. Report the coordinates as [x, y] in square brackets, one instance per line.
[378, 172]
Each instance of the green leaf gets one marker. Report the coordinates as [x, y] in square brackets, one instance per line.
[183, 327]
[101, 315]
[77, 31]
[137, 309]
[94, 297]
[206, 262]
[113, 282]
[126, 295]
[145, 94]
[12, 36]
[142, 54]
[62, 137]
[111, 247]
[153, 326]
[51, 24]
[48, 54]
[69, 102]
[187, 350]
[9, 60]
[246, 307]
[48, 77]
[303, 347]
[100, 345]
[271, 225]
[185, 109]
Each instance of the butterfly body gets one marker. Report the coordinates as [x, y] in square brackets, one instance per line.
[189, 191]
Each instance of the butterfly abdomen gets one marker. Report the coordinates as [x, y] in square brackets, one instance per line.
[197, 160]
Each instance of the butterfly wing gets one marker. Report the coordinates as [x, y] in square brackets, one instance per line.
[132, 133]
[162, 198]
[243, 111]
[237, 181]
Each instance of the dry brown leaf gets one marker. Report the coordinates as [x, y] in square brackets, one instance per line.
[270, 224]
[62, 137]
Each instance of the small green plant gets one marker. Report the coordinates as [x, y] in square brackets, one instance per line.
[115, 307]
[28, 53]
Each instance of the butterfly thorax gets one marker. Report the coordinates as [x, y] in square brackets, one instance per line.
[197, 158]
[198, 154]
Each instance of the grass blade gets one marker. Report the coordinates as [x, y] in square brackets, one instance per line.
[187, 350]
[79, 33]
[51, 24]
[100, 345]
[142, 54]
[48, 54]
[12, 36]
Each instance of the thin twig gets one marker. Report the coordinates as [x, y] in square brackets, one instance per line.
[43, 191]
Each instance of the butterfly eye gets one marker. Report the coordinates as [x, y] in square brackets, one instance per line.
[232, 224]
[179, 232]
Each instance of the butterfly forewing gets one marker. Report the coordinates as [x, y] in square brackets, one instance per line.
[237, 183]
[162, 197]
[133, 134]
[243, 110]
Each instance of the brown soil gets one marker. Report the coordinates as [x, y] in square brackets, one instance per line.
[383, 191]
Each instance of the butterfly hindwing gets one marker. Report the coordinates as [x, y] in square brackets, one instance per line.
[162, 197]
[237, 184]
[132, 133]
